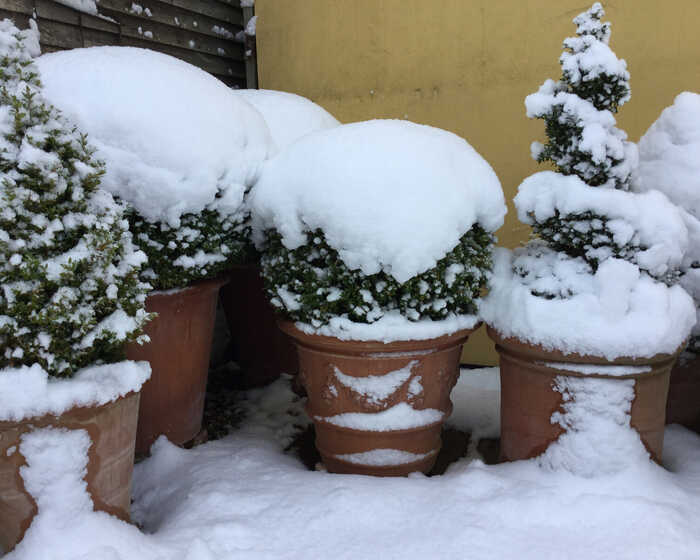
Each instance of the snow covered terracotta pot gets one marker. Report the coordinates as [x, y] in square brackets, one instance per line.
[669, 161]
[378, 408]
[533, 391]
[262, 350]
[377, 259]
[588, 315]
[172, 401]
[112, 430]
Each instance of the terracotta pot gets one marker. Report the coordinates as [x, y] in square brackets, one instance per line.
[172, 400]
[684, 392]
[336, 374]
[528, 398]
[112, 429]
[263, 351]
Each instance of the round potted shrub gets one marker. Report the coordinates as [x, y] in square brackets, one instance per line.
[376, 243]
[586, 316]
[70, 295]
[262, 350]
[669, 161]
[182, 152]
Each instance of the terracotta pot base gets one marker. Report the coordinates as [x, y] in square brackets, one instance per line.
[331, 370]
[684, 393]
[172, 400]
[528, 398]
[112, 429]
[263, 351]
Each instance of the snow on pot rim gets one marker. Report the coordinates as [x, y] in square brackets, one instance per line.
[29, 391]
[173, 138]
[615, 312]
[388, 194]
[288, 116]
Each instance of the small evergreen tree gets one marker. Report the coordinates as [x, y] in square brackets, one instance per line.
[70, 294]
[583, 140]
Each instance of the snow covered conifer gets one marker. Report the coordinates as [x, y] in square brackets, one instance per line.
[578, 109]
[70, 294]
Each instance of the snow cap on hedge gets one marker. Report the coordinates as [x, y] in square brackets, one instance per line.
[669, 154]
[173, 138]
[288, 116]
[388, 194]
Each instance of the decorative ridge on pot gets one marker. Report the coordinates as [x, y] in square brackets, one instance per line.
[596, 287]
[377, 259]
[391, 398]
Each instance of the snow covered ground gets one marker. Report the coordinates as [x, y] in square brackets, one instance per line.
[244, 497]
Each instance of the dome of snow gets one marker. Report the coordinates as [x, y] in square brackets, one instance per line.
[173, 138]
[669, 154]
[389, 195]
[288, 116]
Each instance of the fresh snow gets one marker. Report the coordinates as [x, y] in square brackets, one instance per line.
[86, 6]
[648, 220]
[597, 369]
[389, 195]
[376, 388]
[41, 394]
[288, 116]
[251, 26]
[669, 161]
[174, 138]
[391, 327]
[244, 497]
[401, 416]
[383, 457]
[616, 312]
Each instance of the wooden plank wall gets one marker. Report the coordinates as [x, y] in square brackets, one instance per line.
[200, 32]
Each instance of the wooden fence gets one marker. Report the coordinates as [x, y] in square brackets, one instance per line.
[201, 32]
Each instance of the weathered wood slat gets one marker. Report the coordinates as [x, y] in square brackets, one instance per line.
[168, 14]
[140, 28]
[218, 10]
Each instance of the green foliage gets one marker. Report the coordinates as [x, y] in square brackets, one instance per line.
[205, 245]
[312, 284]
[70, 294]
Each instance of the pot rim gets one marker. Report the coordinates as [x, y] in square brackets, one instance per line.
[331, 343]
[208, 284]
[517, 349]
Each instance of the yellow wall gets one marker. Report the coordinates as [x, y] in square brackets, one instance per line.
[466, 66]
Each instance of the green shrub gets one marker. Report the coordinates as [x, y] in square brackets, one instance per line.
[70, 294]
[312, 284]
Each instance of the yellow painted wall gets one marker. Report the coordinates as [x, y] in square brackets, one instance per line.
[466, 66]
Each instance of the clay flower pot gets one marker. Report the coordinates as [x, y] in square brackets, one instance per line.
[378, 408]
[528, 397]
[172, 400]
[112, 429]
[684, 392]
[263, 351]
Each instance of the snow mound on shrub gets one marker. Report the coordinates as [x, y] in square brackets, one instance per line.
[648, 219]
[616, 312]
[173, 138]
[389, 195]
[669, 154]
[41, 394]
[288, 116]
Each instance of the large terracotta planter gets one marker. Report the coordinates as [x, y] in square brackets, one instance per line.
[528, 398]
[684, 392]
[346, 377]
[263, 351]
[112, 429]
[172, 400]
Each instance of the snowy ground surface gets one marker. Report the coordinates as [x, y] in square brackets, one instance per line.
[243, 496]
